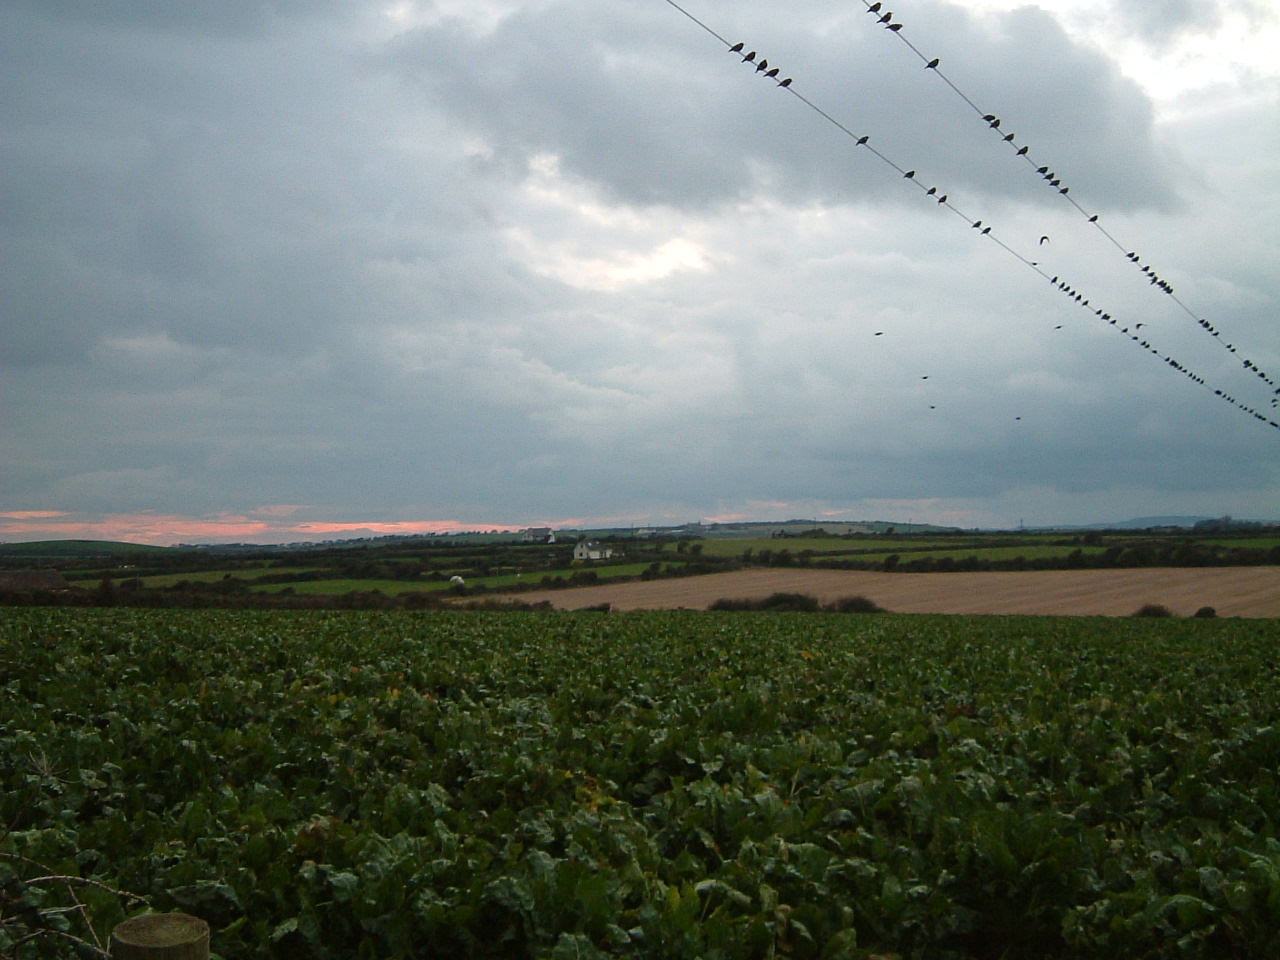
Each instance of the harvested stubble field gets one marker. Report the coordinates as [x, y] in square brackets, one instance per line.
[1231, 591]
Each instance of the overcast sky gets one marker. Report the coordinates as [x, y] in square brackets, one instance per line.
[307, 269]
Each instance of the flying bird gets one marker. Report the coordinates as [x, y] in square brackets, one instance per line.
[879, 333]
[1044, 240]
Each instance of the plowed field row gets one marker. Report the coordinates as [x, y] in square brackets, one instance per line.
[1231, 591]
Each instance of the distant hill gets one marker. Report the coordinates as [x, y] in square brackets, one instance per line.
[76, 548]
[1143, 523]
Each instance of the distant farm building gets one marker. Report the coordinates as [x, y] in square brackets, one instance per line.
[591, 550]
[537, 535]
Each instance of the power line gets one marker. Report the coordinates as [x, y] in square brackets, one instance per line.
[1053, 180]
[985, 230]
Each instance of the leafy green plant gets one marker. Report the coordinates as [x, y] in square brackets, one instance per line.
[534, 784]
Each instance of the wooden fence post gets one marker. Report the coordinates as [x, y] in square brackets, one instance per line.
[161, 936]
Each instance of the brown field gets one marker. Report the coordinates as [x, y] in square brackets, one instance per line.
[1231, 591]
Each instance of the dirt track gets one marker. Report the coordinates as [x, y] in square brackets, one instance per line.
[1231, 591]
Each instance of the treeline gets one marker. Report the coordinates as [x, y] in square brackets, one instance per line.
[209, 599]
[1144, 553]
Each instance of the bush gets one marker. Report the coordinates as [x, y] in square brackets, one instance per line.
[786, 602]
[1206, 613]
[858, 604]
[500, 603]
[1153, 610]
[800, 602]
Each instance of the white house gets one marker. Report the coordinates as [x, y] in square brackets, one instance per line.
[591, 550]
[537, 535]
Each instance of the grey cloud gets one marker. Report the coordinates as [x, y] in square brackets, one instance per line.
[225, 18]
[265, 261]
[657, 112]
[1159, 21]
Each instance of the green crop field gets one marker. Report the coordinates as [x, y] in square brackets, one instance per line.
[338, 587]
[1246, 543]
[212, 576]
[1029, 552]
[650, 785]
[858, 546]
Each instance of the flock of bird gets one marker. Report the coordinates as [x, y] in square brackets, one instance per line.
[993, 122]
[762, 67]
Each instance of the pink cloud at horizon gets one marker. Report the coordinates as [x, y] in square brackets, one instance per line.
[168, 529]
[265, 525]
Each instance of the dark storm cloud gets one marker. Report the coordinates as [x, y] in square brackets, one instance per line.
[644, 103]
